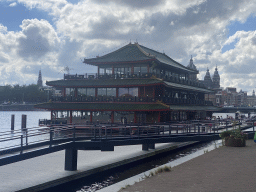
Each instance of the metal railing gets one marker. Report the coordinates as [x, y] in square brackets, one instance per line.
[31, 138]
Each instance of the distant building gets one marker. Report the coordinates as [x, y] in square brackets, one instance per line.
[251, 100]
[214, 82]
[40, 81]
[193, 67]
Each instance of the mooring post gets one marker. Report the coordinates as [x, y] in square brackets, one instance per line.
[12, 122]
[71, 159]
[23, 122]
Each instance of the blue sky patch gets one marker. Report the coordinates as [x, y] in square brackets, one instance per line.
[249, 25]
[12, 17]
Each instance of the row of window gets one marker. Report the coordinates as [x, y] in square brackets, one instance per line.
[140, 70]
[133, 91]
[124, 70]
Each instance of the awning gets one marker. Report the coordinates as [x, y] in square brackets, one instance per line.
[194, 108]
[103, 106]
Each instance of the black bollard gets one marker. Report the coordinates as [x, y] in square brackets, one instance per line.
[12, 122]
[23, 122]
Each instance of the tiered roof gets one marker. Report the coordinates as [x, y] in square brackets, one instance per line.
[132, 53]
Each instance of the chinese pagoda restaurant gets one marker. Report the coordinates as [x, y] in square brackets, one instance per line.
[133, 84]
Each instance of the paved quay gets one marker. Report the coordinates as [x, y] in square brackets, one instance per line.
[223, 169]
[48, 170]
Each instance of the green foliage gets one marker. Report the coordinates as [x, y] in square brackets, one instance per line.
[26, 93]
[235, 133]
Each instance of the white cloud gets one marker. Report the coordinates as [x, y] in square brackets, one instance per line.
[37, 39]
[13, 4]
[94, 27]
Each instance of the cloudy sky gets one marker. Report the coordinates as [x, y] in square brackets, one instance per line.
[52, 34]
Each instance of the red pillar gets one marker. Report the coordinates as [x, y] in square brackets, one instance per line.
[113, 72]
[139, 91]
[96, 92]
[112, 116]
[98, 71]
[75, 92]
[64, 92]
[159, 117]
[132, 69]
[148, 68]
[144, 91]
[117, 89]
[135, 117]
[91, 116]
[154, 92]
[70, 117]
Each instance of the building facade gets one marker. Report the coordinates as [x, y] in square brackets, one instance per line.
[133, 84]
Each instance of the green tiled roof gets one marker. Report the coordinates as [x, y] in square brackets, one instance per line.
[194, 108]
[103, 82]
[121, 83]
[163, 58]
[128, 53]
[187, 87]
[102, 106]
[135, 52]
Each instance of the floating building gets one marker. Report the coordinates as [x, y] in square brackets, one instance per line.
[133, 84]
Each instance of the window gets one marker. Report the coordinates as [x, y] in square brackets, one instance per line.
[86, 91]
[140, 70]
[106, 91]
[130, 92]
[70, 91]
[122, 70]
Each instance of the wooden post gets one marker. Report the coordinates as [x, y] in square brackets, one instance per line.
[23, 122]
[159, 117]
[12, 122]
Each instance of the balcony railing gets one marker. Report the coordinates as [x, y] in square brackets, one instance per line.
[89, 76]
[167, 100]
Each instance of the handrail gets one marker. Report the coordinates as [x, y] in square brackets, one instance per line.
[20, 140]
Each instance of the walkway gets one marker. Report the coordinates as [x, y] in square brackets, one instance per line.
[224, 169]
[47, 170]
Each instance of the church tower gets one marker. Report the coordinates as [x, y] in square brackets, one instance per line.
[208, 80]
[216, 79]
[39, 81]
[192, 66]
